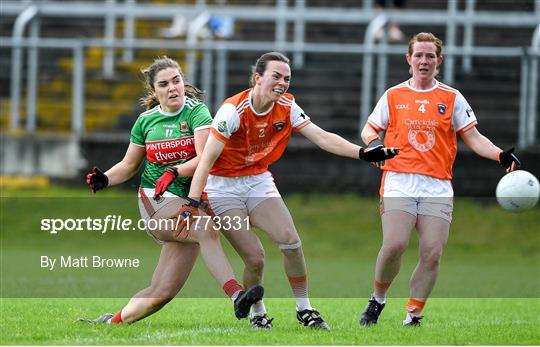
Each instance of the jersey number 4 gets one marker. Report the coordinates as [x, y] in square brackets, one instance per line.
[422, 108]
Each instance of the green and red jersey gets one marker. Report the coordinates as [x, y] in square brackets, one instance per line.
[169, 140]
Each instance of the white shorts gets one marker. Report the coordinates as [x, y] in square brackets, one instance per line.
[164, 208]
[417, 194]
[243, 192]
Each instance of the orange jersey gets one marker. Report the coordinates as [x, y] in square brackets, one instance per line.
[423, 123]
[254, 141]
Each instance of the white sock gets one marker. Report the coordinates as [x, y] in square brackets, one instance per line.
[303, 304]
[258, 309]
[380, 300]
[235, 295]
[407, 319]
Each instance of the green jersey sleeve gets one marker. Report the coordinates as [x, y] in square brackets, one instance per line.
[199, 117]
[137, 137]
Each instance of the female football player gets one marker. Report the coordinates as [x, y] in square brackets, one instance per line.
[170, 135]
[421, 116]
[249, 132]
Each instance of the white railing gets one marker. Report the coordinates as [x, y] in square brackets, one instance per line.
[281, 15]
[528, 110]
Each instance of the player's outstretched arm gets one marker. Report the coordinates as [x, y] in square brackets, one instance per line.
[211, 152]
[336, 144]
[483, 146]
[120, 172]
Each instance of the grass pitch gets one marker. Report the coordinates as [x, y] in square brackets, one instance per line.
[211, 322]
[487, 292]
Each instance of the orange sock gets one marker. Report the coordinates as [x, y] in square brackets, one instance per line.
[299, 286]
[380, 289]
[117, 318]
[415, 306]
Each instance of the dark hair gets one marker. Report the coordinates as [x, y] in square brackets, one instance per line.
[260, 65]
[149, 100]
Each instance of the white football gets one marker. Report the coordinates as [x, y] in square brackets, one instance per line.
[518, 191]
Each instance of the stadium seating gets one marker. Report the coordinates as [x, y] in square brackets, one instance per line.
[328, 86]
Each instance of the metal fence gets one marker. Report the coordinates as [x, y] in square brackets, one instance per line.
[30, 13]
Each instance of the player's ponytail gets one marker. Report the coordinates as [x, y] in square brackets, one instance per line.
[193, 92]
[150, 100]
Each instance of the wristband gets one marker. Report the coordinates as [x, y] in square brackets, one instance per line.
[172, 170]
[193, 202]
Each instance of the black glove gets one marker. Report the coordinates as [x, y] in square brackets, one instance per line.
[377, 153]
[509, 160]
[96, 179]
[376, 143]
